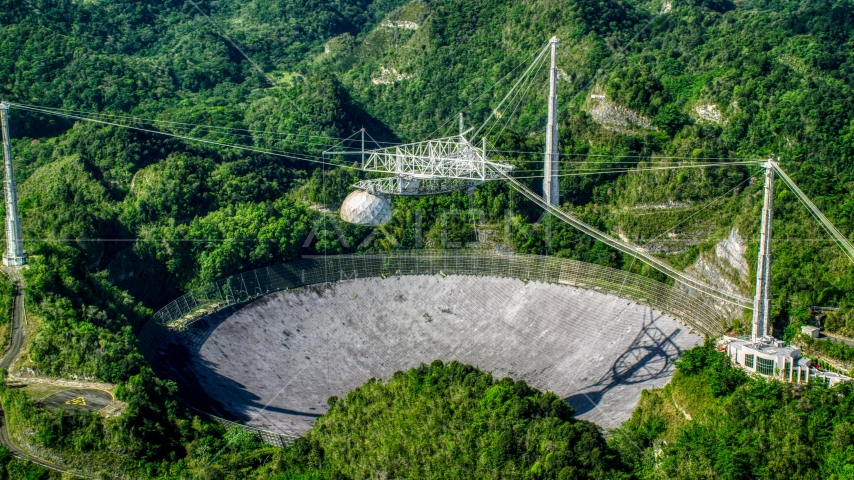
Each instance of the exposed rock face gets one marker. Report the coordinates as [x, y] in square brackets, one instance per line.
[726, 269]
[668, 205]
[616, 117]
[404, 24]
[732, 249]
[389, 76]
[674, 241]
[709, 112]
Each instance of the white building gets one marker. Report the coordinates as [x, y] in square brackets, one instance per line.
[772, 358]
[810, 330]
[829, 378]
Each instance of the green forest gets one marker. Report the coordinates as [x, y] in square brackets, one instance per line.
[120, 221]
[712, 421]
[454, 421]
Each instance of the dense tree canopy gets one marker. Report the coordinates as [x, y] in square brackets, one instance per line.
[758, 429]
[453, 421]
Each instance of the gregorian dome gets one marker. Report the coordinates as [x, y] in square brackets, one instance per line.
[364, 208]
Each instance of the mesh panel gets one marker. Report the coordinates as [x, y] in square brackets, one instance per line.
[692, 310]
[195, 305]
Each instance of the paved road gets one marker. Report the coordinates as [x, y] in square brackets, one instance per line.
[17, 329]
[17, 343]
[836, 339]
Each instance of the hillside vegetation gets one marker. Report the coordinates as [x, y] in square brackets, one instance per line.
[119, 222]
[740, 427]
[452, 421]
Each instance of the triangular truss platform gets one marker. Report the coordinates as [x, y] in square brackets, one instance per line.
[429, 167]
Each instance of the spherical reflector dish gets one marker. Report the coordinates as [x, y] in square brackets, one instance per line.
[363, 208]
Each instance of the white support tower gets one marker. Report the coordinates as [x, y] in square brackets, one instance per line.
[762, 299]
[15, 255]
[551, 182]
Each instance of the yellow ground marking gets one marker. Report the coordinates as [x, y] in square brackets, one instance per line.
[111, 393]
[76, 401]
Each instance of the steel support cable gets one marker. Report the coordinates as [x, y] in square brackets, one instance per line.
[628, 248]
[351, 137]
[372, 139]
[260, 133]
[840, 239]
[79, 114]
[274, 135]
[507, 120]
[294, 156]
[360, 149]
[645, 161]
[628, 170]
[451, 118]
[522, 97]
[643, 158]
[525, 79]
[640, 167]
[524, 75]
[513, 104]
[524, 91]
[291, 156]
[704, 207]
[211, 128]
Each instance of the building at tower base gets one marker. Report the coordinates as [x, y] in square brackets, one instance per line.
[771, 358]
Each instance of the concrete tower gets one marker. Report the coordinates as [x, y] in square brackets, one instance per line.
[15, 255]
[551, 182]
[762, 298]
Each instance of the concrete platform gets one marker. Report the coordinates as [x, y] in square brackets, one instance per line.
[273, 363]
[88, 400]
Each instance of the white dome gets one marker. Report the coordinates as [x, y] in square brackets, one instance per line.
[363, 208]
